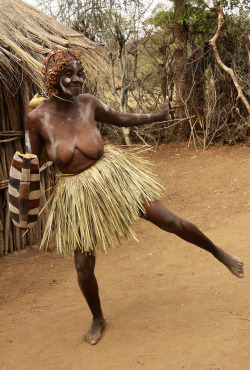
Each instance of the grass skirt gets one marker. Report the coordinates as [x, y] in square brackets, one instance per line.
[96, 208]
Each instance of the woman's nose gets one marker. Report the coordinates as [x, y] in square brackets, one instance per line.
[76, 78]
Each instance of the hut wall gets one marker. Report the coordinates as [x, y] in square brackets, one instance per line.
[12, 124]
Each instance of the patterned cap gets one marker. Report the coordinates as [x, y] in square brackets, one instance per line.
[47, 58]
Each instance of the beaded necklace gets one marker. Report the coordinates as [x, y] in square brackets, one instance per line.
[68, 100]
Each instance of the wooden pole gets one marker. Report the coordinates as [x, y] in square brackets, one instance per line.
[1, 239]
[7, 225]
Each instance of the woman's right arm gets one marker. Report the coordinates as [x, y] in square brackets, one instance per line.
[33, 140]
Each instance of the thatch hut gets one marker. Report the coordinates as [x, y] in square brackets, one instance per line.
[26, 36]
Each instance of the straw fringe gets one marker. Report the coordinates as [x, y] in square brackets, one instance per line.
[97, 207]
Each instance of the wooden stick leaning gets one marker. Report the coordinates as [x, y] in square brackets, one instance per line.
[212, 42]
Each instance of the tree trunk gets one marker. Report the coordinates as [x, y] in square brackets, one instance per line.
[123, 109]
[180, 41]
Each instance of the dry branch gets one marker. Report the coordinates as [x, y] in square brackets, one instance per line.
[9, 140]
[212, 42]
[11, 133]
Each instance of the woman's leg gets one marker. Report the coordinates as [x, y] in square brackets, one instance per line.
[85, 265]
[166, 220]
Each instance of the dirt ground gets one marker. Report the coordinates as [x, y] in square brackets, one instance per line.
[168, 304]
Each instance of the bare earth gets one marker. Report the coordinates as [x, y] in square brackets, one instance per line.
[168, 304]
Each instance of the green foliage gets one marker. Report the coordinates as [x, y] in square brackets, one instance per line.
[232, 5]
[162, 19]
[196, 17]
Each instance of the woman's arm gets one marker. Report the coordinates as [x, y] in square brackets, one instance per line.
[105, 114]
[33, 141]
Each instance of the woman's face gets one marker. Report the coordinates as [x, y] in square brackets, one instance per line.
[71, 79]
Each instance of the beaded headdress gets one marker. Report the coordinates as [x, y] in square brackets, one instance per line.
[47, 58]
[55, 63]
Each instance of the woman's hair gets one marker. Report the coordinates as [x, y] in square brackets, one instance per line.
[55, 63]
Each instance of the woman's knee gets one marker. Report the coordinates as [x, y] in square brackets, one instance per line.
[160, 216]
[84, 265]
[170, 223]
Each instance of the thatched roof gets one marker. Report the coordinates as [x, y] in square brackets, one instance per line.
[27, 35]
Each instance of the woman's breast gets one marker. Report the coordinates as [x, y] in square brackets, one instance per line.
[78, 148]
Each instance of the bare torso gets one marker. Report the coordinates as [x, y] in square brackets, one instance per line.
[66, 124]
[70, 136]
[69, 132]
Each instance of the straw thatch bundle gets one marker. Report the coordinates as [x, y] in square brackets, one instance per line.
[26, 36]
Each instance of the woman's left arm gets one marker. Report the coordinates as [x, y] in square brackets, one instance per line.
[105, 114]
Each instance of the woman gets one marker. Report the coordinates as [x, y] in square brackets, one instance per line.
[100, 190]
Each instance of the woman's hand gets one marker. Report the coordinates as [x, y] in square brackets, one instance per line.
[168, 108]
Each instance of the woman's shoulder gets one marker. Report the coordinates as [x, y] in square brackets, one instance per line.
[38, 110]
[34, 117]
[88, 98]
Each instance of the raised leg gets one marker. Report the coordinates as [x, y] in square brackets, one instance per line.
[85, 265]
[166, 220]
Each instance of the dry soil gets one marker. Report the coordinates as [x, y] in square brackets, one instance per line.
[168, 304]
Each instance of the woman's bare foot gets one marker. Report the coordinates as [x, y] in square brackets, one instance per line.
[233, 263]
[95, 332]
